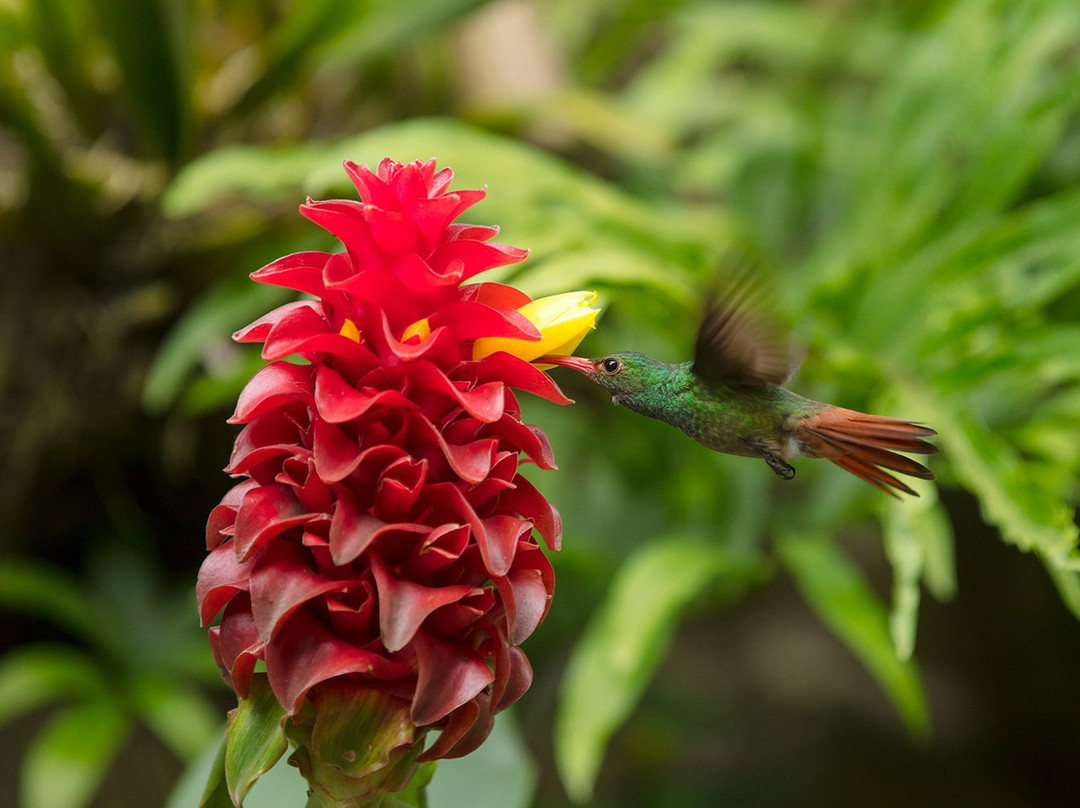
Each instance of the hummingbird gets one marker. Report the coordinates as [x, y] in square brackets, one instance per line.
[731, 398]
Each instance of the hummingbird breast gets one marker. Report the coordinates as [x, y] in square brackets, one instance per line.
[739, 419]
[744, 419]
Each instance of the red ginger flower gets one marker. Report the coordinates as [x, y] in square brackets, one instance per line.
[382, 536]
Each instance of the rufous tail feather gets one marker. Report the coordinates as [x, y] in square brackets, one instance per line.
[867, 445]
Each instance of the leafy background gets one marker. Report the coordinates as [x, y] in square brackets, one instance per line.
[907, 174]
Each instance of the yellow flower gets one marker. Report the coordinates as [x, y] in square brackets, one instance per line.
[563, 321]
[350, 330]
[420, 329]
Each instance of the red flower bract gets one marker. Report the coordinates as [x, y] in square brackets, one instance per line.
[381, 533]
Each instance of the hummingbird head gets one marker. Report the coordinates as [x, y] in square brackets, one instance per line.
[627, 375]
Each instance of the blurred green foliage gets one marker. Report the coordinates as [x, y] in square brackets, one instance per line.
[906, 173]
[138, 658]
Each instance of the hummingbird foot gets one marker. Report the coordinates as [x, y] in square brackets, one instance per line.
[783, 470]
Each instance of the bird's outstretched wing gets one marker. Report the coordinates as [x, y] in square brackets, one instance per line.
[737, 342]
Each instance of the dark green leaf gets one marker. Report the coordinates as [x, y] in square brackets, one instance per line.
[625, 641]
[181, 717]
[843, 600]
[203, 335]
[70, 756]
[47, 592]
[294, 39]
[415, 795]
[389, 25]
[500, 774]
[55, 26]
[1028, 514]
[216, 792]
[31, 676]
[147, 49]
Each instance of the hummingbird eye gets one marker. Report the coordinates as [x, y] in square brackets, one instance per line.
[611, 365]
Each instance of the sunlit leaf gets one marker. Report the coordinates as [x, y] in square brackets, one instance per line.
[560, 208]
[947, 94]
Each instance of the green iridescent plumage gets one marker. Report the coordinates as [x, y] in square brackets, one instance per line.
[729, 398]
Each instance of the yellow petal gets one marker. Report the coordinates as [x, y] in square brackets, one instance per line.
[562, 320]
[349, 329]
[421, 329]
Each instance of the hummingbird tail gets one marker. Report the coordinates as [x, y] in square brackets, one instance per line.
[866, 445]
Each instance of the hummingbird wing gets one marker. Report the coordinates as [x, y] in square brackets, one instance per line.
[737, 342]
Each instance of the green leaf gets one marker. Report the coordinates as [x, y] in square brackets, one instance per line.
[359, 730]
[415, 795]
[623, 645]
[612, 265]
[541, 201]
[204, 331]
[837, 592]
[208, 392]
[918, 543]
[148, 53]
[1029, 515]
[34, 675]
[984, 275]
[939, 551]
[47, 592]
[202, 783]
[970, 87]
[257, 172]
[677, 88]
[255, 738]
[342, 34]
[56, 27]
[15, 31]
[292, 43]
[69, 757]
[500, 774]
[1067, 582]
[216, 792]
[184, 719]
[280, 787]
[388, 26]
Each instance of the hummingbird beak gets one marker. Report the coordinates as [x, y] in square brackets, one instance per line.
[578, 363]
